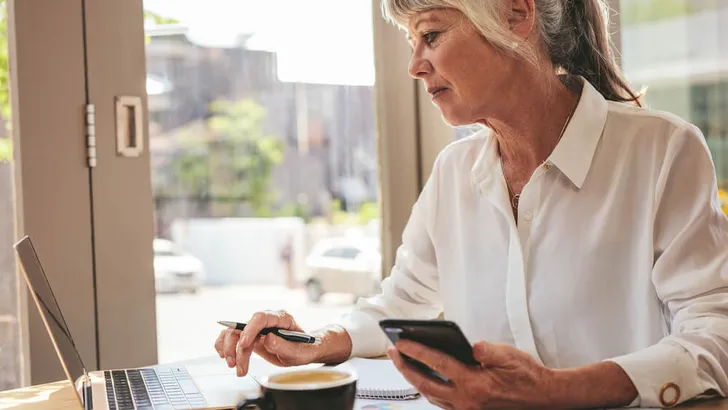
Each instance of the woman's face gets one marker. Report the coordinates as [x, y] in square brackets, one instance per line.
[465, 76]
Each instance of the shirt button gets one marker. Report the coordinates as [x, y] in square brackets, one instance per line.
[547, 166]
[528, 216]
[674, 394]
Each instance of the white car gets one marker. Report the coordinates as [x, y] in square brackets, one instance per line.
[175, 270]
[346, 265]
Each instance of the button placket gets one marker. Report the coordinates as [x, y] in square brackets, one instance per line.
[517, 300]
[518, 255]
[518, 252]
[527, 208]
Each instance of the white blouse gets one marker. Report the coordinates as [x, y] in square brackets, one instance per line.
[619, 253]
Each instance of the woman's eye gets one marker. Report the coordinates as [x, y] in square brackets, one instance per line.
[430, 37]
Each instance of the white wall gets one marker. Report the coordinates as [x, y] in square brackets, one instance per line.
[247, 250]
[241, 250]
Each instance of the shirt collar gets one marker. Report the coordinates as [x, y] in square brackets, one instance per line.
[573, 154]
[486, 161]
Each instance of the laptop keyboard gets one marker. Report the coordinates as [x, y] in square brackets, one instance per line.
[159, 388]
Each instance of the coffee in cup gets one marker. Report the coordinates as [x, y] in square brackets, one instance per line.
[321, 388]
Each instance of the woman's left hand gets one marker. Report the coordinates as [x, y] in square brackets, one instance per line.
[506, 377]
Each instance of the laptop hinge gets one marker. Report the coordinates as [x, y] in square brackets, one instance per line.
[83, 388]
[88, 399]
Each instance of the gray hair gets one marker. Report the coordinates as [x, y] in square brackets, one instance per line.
[574, 33]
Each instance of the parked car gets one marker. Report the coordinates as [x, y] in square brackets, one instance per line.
[346, 265]
[175, 270]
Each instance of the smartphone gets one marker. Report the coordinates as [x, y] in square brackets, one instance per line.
[442, 335]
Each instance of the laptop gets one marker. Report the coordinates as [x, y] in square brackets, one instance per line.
[209, 385]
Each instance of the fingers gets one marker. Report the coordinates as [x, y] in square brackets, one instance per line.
[261, 351]
[275, 350]
[491, 354]
[219, 343]
[236, 347]
[441, 404]
[242, 357]
[267, 350]
[438, 361]
[262, 320]
[258, 322]
[230, 342]
[424, 384]
[288, 353]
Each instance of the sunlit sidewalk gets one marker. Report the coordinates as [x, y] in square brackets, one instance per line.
[186, 323]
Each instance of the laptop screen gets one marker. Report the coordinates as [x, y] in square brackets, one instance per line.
[48, 306]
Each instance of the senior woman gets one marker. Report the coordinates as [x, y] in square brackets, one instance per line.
[578, 237]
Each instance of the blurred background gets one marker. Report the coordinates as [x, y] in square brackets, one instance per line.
[264, 160]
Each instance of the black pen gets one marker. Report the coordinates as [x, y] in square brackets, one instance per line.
[290, 335]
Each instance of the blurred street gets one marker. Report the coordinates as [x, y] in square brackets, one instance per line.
[187, 323]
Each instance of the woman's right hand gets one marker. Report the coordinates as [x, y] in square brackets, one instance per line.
[236, 346]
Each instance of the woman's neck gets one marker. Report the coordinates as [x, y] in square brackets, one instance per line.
[528, 133]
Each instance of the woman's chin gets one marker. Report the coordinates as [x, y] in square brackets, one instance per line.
[454, 120]
[452, 115]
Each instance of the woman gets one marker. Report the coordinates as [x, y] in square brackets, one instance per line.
[578, 236]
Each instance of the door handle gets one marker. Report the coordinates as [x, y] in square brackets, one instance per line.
[129, 126]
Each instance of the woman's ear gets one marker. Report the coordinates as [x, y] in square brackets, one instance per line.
[522, 17]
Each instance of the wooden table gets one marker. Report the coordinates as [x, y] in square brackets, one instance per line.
[60, 396]
[51, 396]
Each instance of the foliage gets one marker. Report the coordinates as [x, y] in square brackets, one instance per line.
[158, 19]
[235, 161]
[4, 72]
[635, 12]
[6, 150]
[298, 209]
[367, 212]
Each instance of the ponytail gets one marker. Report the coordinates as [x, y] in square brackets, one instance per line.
[580, 46]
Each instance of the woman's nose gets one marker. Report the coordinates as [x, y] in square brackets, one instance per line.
[419, 67]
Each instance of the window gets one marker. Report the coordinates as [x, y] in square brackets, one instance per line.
[10, 351]
[164, 247]
[165, 253]
[685, 71]
[10, 370]
[262, 146]
[333, 253]
[350, 253]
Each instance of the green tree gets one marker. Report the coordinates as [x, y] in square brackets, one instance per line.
[234, 163]
[158, 19]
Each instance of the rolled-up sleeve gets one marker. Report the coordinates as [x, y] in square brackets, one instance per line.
[690, 278]
[411, 290]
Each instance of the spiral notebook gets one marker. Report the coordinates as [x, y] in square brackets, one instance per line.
[380, 380]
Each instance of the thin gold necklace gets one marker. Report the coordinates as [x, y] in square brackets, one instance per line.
[516, 197]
